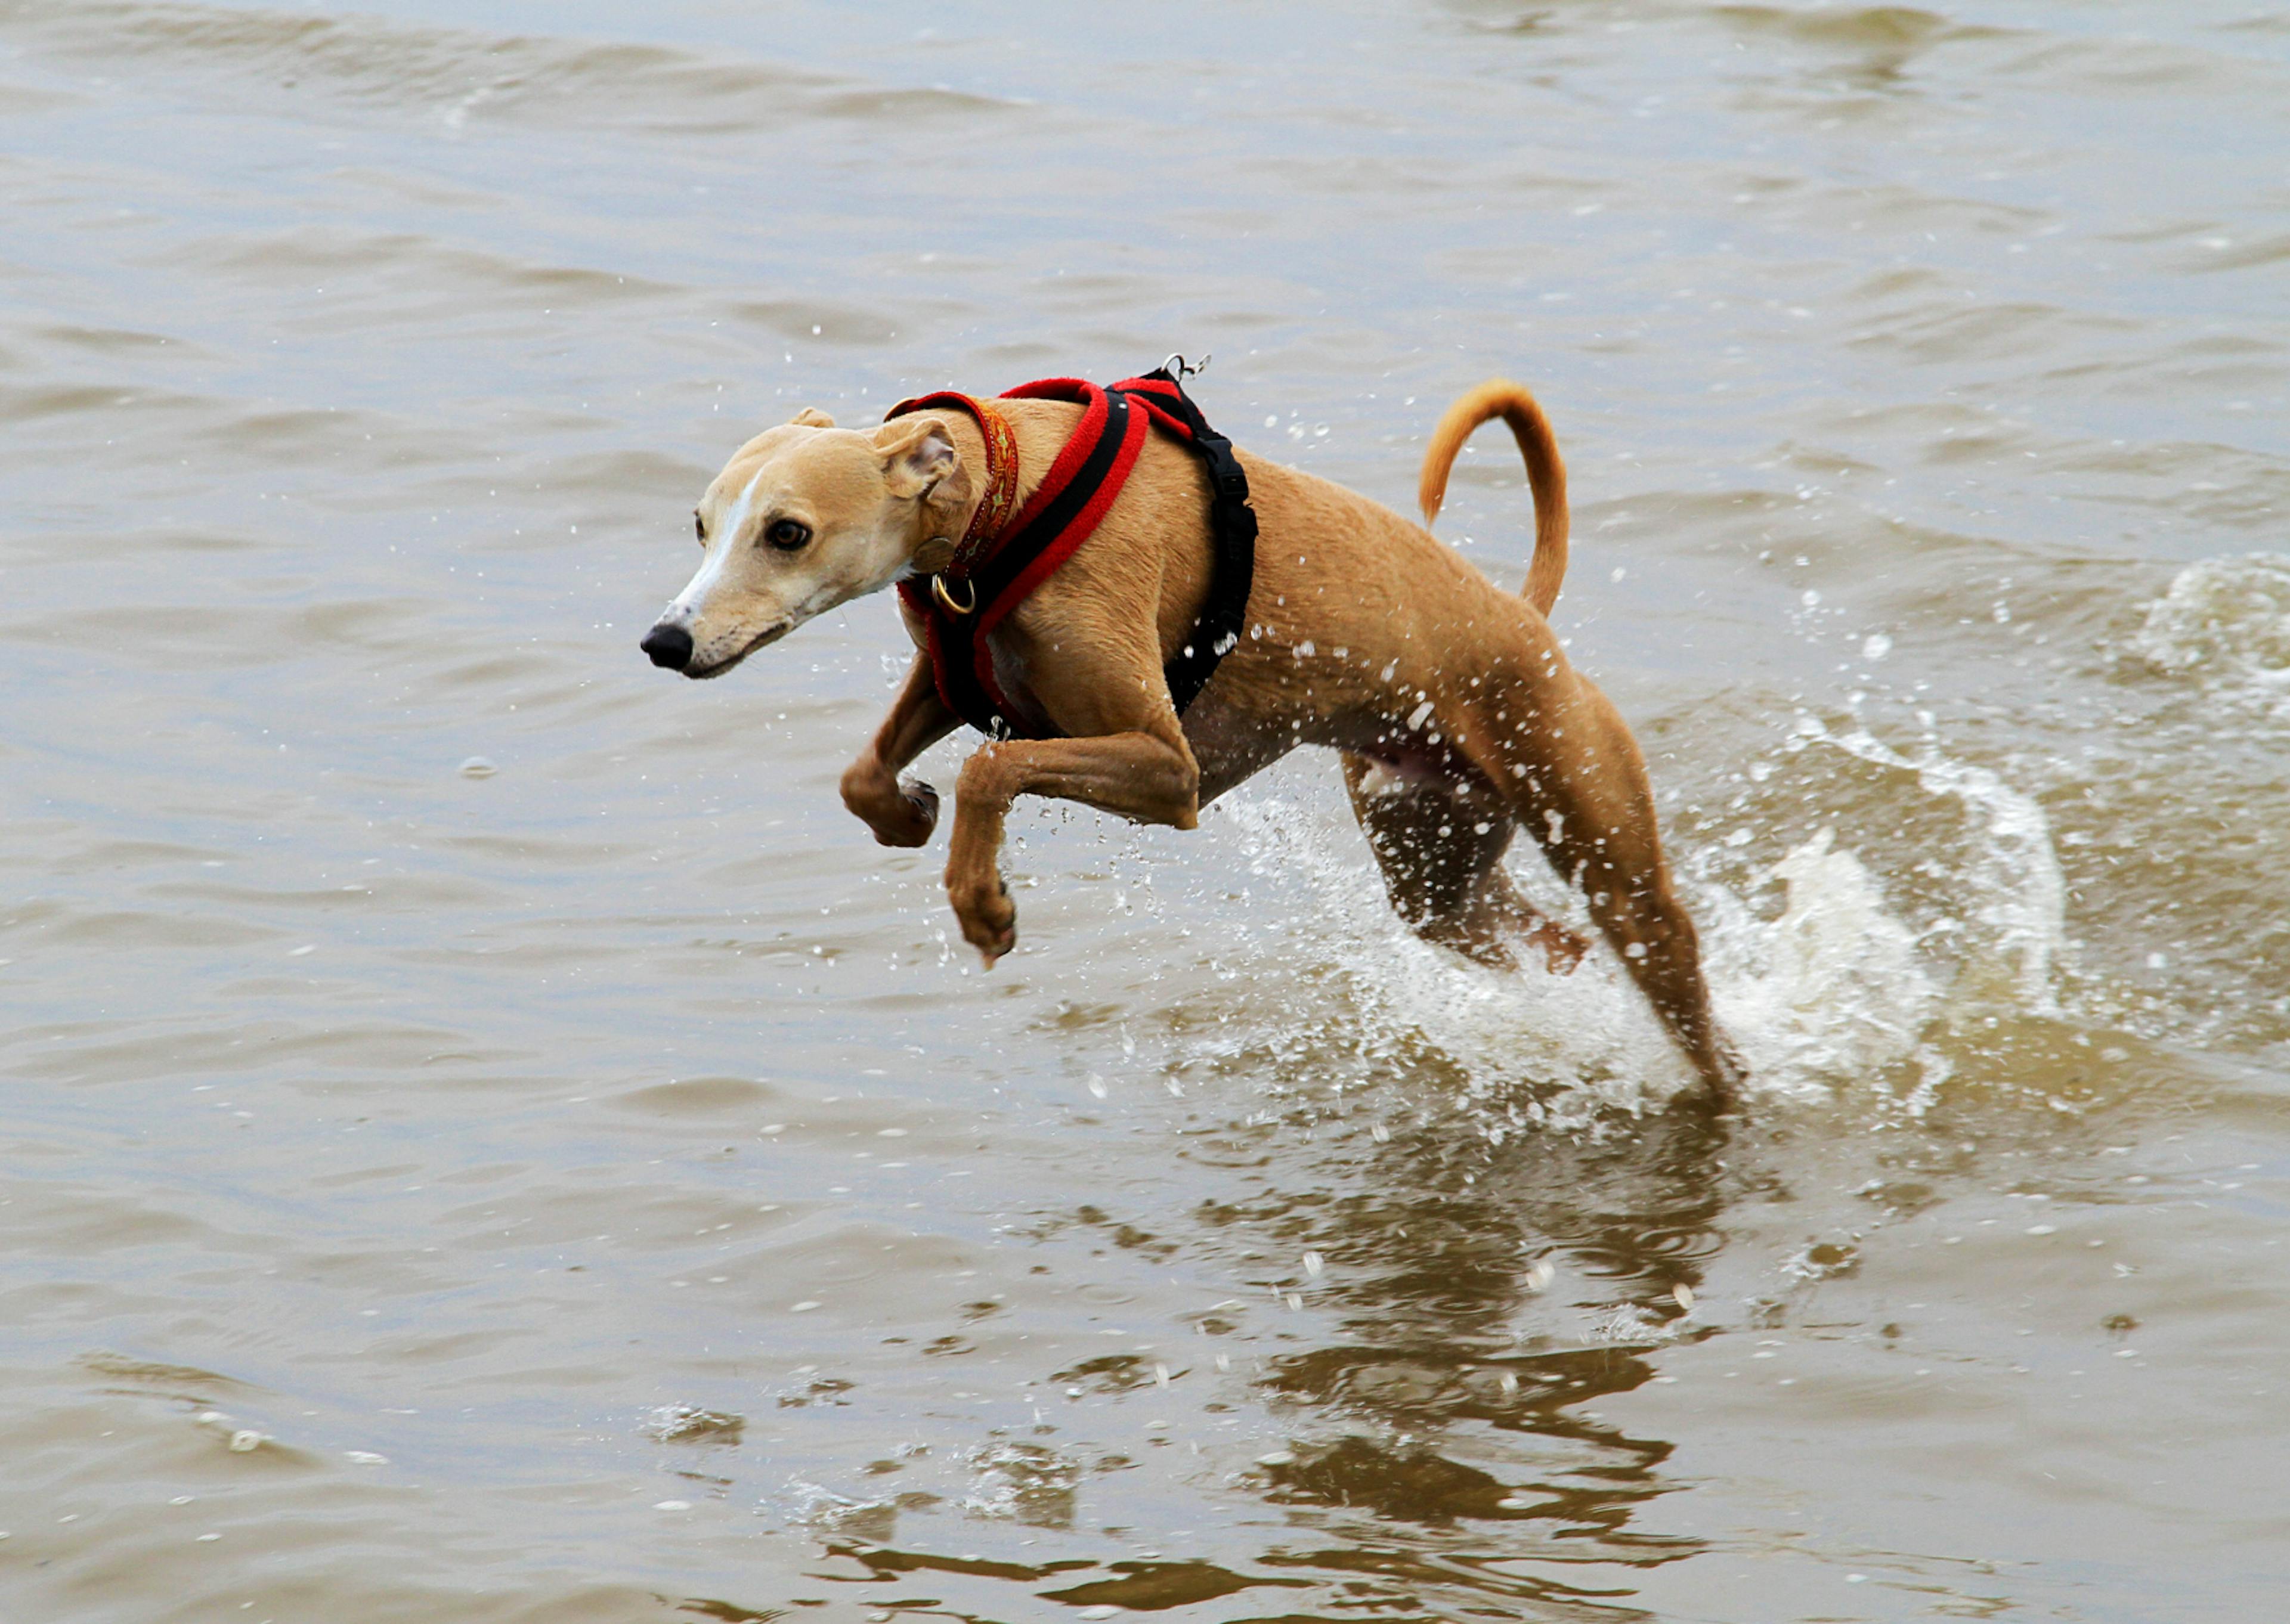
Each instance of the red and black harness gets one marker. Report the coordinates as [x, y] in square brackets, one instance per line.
[1004, 557]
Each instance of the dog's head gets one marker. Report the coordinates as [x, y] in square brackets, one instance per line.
[806, 516]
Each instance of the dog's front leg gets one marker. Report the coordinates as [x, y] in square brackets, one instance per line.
[901, 813]
[1148, 777]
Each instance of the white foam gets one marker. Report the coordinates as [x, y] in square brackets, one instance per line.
[1500, 1027]
[1831, 990]
[2225, 623]
[2012, 877]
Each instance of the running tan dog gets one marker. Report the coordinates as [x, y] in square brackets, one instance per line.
[1458, 716]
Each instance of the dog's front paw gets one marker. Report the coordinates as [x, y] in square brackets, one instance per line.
[987, 918]
[921, 801]
[901, 814]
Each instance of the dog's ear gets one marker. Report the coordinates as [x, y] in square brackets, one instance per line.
[920, 461]
[811, 417]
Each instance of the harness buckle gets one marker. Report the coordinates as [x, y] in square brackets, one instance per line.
[1180, 369]
[945, 598]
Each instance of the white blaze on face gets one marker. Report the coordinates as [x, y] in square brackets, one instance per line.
[688, 603]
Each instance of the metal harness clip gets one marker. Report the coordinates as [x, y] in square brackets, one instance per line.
[945, 598]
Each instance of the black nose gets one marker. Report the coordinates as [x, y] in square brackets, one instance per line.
[668, 646]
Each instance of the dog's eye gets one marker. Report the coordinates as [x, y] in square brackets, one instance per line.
[700, 528]
[787, 534]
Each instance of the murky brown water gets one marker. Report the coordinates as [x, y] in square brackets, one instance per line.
[592, 1191]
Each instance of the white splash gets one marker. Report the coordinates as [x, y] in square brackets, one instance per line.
[2225, 622]
[1024, 1483]
[1588, 1029]
[2012, 875]
[804, 1501]
[1833, 989]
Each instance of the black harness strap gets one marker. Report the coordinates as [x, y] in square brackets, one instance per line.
[1094, 474]
[1232, 529]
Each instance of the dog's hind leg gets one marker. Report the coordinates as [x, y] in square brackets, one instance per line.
[1440, 846]
[1590, 806]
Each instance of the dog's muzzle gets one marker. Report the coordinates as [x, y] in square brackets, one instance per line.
[669, 646]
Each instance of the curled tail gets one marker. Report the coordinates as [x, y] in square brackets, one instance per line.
[1546, 474]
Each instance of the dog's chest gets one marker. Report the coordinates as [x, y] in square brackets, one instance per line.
[1012, 675]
